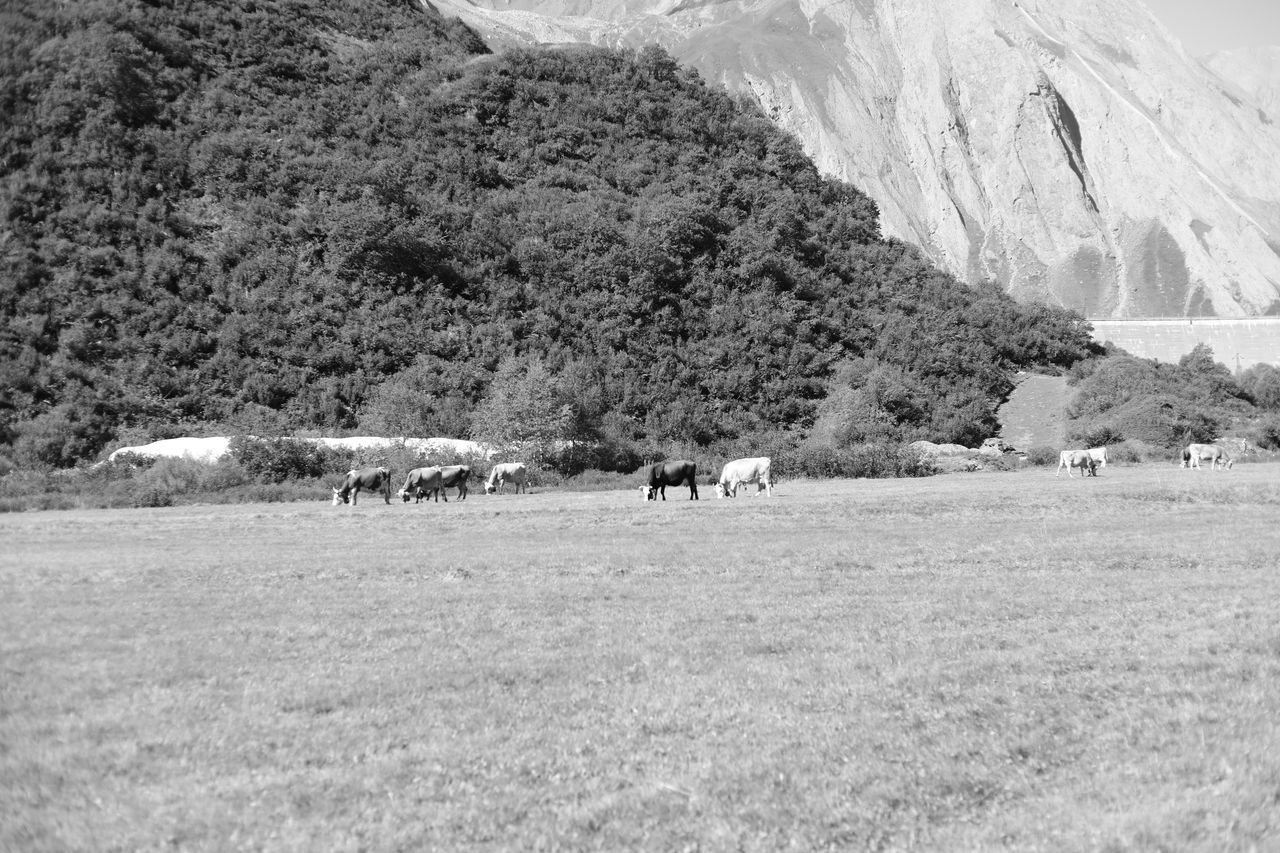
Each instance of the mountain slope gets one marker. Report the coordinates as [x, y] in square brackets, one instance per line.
[1255, 71]
[272, 215]
[1072, 151]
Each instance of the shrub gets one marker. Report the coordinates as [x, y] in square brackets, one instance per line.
[1042, 456]
[154, 495]
[274, 460]
[1266, 434]
[864, 460]
[1101, 436]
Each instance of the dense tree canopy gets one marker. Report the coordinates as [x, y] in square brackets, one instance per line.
[273, 215]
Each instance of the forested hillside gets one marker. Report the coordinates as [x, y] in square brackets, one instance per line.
[275, 215]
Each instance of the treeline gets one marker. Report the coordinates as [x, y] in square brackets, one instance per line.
[267, 216]
[1123, 398]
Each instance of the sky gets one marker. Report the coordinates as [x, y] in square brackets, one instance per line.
[1204, 26]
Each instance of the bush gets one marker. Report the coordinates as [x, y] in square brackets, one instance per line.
[1266, 434]
[1043, 456]
[1101, 436]
[865, 460]
[274, 460]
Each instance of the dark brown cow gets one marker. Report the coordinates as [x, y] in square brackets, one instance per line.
[366, 479]
[455, 475]
[672, 474]
[422, 483]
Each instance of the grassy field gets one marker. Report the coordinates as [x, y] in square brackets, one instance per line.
[965, 662]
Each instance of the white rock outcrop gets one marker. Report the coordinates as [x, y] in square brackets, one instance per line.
[1069, 149]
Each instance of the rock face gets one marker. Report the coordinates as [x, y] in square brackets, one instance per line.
[1255, 71]
[1069, 149]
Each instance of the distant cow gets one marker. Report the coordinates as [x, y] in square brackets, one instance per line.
[1194, 454]
[365, 479]
[672, 473]
[422, 483]
[742, 471]
[1077, 459]
[1099, 455]
[455, 475]
[507, 472]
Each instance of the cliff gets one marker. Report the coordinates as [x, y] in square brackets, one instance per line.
[1071, 151]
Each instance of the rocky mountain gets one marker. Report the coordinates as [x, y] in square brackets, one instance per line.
[1069, 149]
[1256, 72]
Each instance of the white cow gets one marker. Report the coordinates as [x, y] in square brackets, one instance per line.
[1197, 453]
[507, 472]
[207, 450]
[1099, 455]
[742, 471]
[1077, 459]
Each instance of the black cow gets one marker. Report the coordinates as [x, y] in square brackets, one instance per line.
[672, 474]
[368, 479]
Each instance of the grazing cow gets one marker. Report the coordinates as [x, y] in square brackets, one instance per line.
[367, 479]
[507, 472]
[1077, 459]
[672, 474]
[422, 483]
[455, 475]
[1197, 453]
[1099, 455]
[742, 471]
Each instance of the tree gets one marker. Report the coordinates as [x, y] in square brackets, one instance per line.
[1262, 382]
[521, 414]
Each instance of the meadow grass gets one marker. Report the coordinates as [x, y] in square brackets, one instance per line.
[966, 662]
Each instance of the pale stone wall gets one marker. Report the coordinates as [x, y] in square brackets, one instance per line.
[1237, 343]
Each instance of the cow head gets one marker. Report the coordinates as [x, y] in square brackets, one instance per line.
[490, 488]
[404, 495]
[339, 497]
[648, 493]
[719, 490]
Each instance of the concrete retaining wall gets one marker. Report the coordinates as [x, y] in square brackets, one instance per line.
[1236, 343]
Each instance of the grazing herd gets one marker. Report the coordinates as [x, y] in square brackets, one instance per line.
[433, 482]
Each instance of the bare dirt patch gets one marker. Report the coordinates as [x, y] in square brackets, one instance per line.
[1035, 413]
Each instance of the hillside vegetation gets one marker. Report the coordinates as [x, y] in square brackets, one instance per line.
[1123, 398]
[278, 215]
